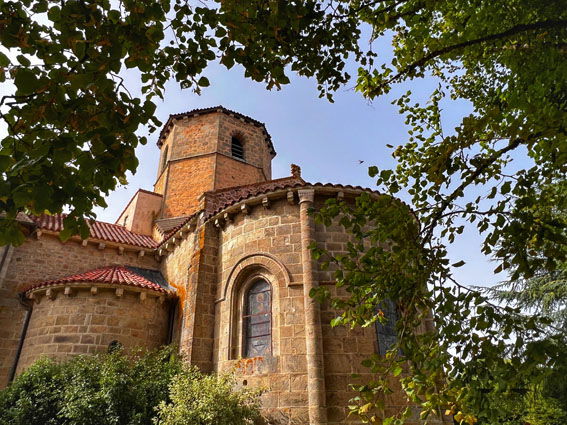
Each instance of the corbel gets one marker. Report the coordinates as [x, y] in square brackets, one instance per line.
[38, 234]
[68, 291]
[266, 202]
[244, 209]
[290, 197]
[119, 292]
[143, 296]
[120, 250]
[227, 217]
[141, 253]
[101, 245]
[94, 290]
[50, 293]
[84, 242]
[340, 195]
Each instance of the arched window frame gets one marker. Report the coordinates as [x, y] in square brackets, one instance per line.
[247, 316]
[237, 147]
[237, 348]
[386, 335]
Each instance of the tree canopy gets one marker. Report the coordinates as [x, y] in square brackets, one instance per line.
[72, 132]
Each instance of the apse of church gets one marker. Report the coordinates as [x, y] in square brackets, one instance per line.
[215, 259]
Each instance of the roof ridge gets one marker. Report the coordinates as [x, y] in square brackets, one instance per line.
[227, 189]
[113, 274]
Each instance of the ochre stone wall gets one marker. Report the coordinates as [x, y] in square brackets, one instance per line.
[200, 159]
[187, 179]
[175, 270]
[265, 242]
[230, 172]
[86, 323]
[45, 259]
[256, 150]
[195, 136]
[139, 214]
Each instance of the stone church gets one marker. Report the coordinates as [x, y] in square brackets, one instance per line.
[215, 259]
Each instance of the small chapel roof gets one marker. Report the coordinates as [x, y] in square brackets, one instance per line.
[98, 230]
[114, 275]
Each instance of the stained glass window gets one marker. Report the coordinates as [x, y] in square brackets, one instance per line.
[257, 320]
[386, 332]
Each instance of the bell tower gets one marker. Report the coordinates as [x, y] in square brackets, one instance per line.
[209, 149]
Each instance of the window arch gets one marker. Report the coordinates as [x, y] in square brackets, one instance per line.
[257, 320]
[237, 148]
[386, 332]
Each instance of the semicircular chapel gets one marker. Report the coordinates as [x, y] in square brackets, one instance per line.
[215, 259]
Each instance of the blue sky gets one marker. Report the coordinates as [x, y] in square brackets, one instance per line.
[326, 139]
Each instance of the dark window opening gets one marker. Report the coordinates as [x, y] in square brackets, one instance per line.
[114, 346]
[257, 320]
[386, 332]
[237, 148]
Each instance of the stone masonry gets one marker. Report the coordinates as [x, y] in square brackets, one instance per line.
[179, 266]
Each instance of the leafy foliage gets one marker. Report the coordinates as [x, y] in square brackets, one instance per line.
[71, 135]
[116, 389]
[102, 389]
[208, 400]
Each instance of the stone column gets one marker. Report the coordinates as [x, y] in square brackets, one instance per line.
[314, 342]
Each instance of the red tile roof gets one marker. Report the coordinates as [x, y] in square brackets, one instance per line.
[116, 275]
[220, 108]
[218, 200]
[98, 230]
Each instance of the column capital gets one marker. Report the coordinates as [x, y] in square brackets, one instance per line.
[306, 195]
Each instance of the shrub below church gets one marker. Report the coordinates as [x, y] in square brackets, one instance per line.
[114, 389]
[198, 399]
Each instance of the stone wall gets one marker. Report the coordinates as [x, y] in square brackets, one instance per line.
[254, 141]
[138, 216]
[85, 323]
[265, 243]
[45, 259]
[230, 172]
[200, 159]
[187, 180]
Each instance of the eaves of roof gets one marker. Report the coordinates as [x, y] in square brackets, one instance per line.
[203, 111]
[112, 275]
[98, 230]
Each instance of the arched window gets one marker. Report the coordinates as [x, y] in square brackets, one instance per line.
[164, 159]
[237, 148]
[257, 320]
[386, 332]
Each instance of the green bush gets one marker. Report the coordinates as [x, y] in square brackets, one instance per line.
[198, 399]
[105, 389]
[115, 389]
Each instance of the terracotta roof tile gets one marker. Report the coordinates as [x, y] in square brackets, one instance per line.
[116, 275]
[220, 199]
[98, 230]
[166, 225]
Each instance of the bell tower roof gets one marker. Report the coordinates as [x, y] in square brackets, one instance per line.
[203, 111]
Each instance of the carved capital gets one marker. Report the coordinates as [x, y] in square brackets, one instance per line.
[306, 195]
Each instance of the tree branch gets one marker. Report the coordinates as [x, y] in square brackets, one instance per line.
[492, 37]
